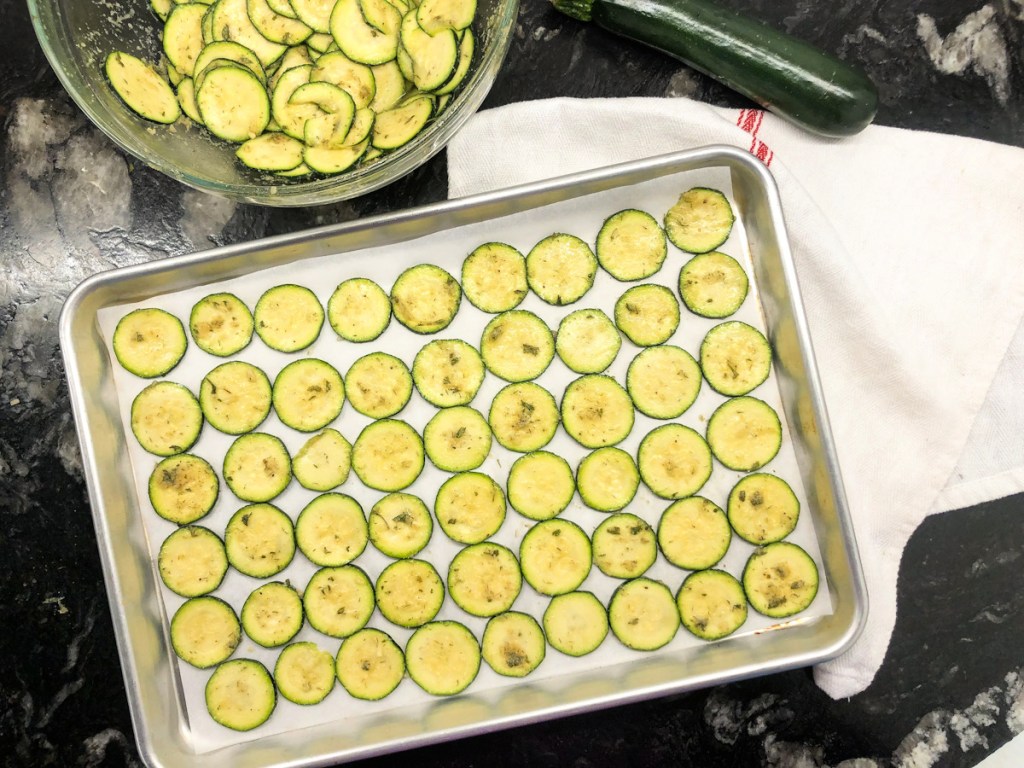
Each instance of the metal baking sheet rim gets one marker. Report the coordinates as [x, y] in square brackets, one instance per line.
[127, 570]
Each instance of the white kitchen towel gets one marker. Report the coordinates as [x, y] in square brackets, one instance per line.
[909, 252]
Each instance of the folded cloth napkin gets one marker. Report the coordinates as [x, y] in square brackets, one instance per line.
[908, 251]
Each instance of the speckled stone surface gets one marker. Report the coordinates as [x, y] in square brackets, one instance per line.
[951, 689]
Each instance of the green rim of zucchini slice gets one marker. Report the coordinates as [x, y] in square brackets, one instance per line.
[780, 579]
[378, 385]
[370, 665]
[713, 284]
[221, 324]
[240, 694]
[448, 372]
[359, 310]
[469, 507]
[663, 381]
[624, 546]
[183, 488]
[596, 411]
[259, 540]
[141, 88]
[205, 631]
[631, 245]
[323, 462]
[561, 269]
[555, 556]
[744, 433]
[338, 601]
[694, 533]
[647, 314]
[443, 657]
[575, 623]
[149, 342]
[192, 561]
[272, 614]
[457, 439]
[494, 277]
[587, 341]
[523, 417]
[166, 418]
[304, 673]
[712, 604]
[735, 357]
[308, 394]
[674, 461]
[409, 593]
[388, 455]
[257, 467]
[288, 317]
[540, 485]
[763, 508]
[484, 579]
[400, 525]
[607, 479]
[517, 345]
[235, 397]
[331, 530]
[425, 298]
[700, 220]
[513, 644]
[643, 614]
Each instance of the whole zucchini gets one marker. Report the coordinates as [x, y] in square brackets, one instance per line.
[781, 73]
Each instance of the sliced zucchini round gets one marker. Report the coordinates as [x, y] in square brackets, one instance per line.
[192, 561]
[272, 614]
[517, 345]
[555, 556]
[540, 485]
[228, 50]
[260, 540]
[331, 530]
[304, 673]
[389, 87]
[400, 525]
[631, 245]
[763, 508]
[494, 277]
[291, 117]
[523, 417]
[713, 284]
[308, 394]
[587, 341]
[674, 461]
[735, 357]
[597, 411]
[484, 579]
[233, 103]
[141, 88]
[230, 21]
[694, 533]
[359, 310]
[513, 644]
[186, 93]
[378, 385]
[399, 124]
[221, 324]
[780, 579]
[663, 381]
[370, 665]
[409, 593]
[435, 15]
[607, 479]
[575, 623]
[274, 26]
[433, 56]
[338, 601]
[257, 467]
[149, 342]
[166, 418]
[323, 463]
[271, 151]
[240, 694]
[561, 268]
[448, 372]
[744, 433]
[183, 488]
[443, 657]
[647, 314]
[467, 47]
[388, 455]
[643, 614]
[205, 631]
[700, 220]
[354, 35]
[457, 439]
[288, 317]
[425, 298]
[624, 546]
[354, 78]
[711, 604]
[235, 397]
[469, 507]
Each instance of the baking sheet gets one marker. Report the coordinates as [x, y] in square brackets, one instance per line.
[582, 217]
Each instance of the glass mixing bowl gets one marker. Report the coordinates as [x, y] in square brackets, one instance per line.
[76, 37]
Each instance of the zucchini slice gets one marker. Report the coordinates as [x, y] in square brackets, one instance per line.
[484, 579]
[647, 314]
[711, 604]
[288, 317]
[744, 433]
[694, 533]
[228, 50]
[149, 342]
[260, 540]
[186, 93]
[457, 439]
[663, 381]
[388, 455]
[517, 345]
[643, 614]
[378, 385]
[700, 220]
[469, 507]
[561, 268]
[272, 614]
[587, 341]
[674, 461]
[331, 530]
[389, 87]
[400, 525]
[166, 418]
[183, 488]
[235, 397]
[359, 310]
[283, 8]
[304, 673]
[330, 127]
[356, 38]
[257, 467]
[631, 245]
[575, 623]
[230, 21]
[240, 694]
[352, 77]
[425, 298]
[448, 372]
[780, 579]
[308, 394]
[763, 508]
[221, 324]
[324, 159]
[183, 36]
[523, 417]
[624, 546]
[370, 665]
[735, 357]
[555, 556]
[141, 88]
[233, 103]
[540, 485]
[323, 463]
[435, 15]
[315, 14]
[713, 284]
[409, 593]
[434, 56]
[597, 411]
[443, 657]
[271, 151]
[607, 479]
[513, 644]
[205, 631]
[274, 26]
[494, 277]
[467, 47]
[192, 561]
[400, 124]
[289, 116]
[338, 601]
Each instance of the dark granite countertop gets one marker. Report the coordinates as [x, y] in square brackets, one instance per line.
[951, 689]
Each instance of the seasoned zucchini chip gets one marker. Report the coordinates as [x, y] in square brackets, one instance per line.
[624, 546]
[513, 644]
[288, 317]
[517, 346]
[711, 604]
[575, 623]
[400, 525]
[183, 488]
[587, 341]
[674, 461]
[744, 433]
[523, 417]
[647, 314]
[540, 485]
[700, 220]
[457, 439]
[484, 579]
[780, 579]
[331, 530]
[763, 508]
[388, 455]
[378, 385]
[555, 556]
[221, 324]
[323, 463]
[240, 694]
[260, 540]
[359, 310]
[149, 342]
[304, 673]
[735, 358]
[631, 245]
[409, 593]
[448, 372]
[192, 561]
[308, 394]
[370, 665]
[235, 397]
[694, 533]
[443, 657]
[469, 507]
[561, 268]
[205, 631]
[425, 298]
[257, 467]
[166, 418]
[643, 614]
[272, 614]
[713, 284]
[338, 601]
[494, 277]
[607, 479]
[663, 381]
[597, 411]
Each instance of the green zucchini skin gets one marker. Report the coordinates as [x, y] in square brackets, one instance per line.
[790, 77]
